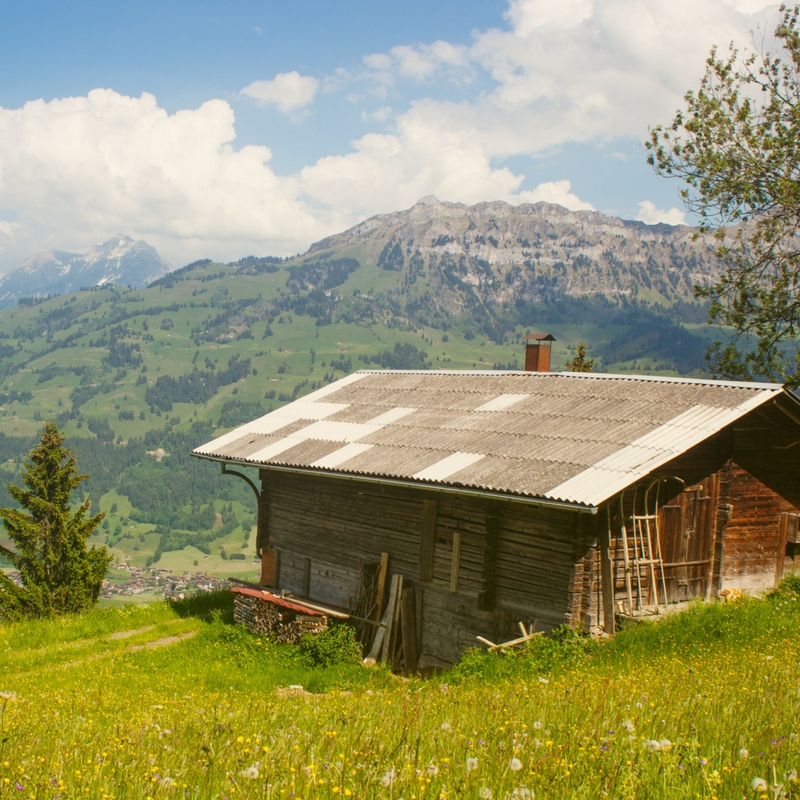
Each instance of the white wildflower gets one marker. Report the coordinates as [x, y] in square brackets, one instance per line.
[638, 705]
[523, 793]
[446, 726]
[537, 726]
[251, 772]
[388, 778]
[486, 793]
[665, 744]
[791, 775]
[515, 765]
[744, 753]
[652, 745]
[758, 785]
[629, 726]
[472, 763]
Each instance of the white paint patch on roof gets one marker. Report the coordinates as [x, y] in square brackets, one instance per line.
[501, 402]
[302, 409]
[333, 387]
[338, 457]
[448, 466]
[275, 449]
[392, 416]
[613, 473]
[330, 431]
[276, 420]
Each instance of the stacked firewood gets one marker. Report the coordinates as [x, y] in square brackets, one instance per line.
[261, 616]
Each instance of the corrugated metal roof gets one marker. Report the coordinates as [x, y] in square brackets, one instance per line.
[570, 437]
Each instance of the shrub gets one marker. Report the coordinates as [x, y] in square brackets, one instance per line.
[337, 645]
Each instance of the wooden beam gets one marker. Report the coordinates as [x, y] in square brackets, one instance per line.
[267, 567]
[262, 520]
[607, 575]
[427, 540]
[390, 637]
[380, 589]
[408, 623]
[456, 562]
[783, 535]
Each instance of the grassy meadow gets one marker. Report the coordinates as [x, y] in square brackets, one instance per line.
[167, 701]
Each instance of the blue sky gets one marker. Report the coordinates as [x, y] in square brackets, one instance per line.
[220, 130]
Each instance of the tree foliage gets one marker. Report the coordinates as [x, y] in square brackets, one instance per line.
[579, 362]
[737, 147]
[57, 571]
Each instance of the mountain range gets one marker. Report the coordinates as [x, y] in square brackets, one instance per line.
[119, 261]
[529, 253]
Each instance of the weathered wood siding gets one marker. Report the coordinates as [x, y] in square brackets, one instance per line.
[753, 546]
[516, 563]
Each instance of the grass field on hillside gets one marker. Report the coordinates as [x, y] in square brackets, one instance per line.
[173, 701]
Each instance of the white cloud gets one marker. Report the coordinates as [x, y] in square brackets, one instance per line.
[528, 16]
[379, 115]
[423, 62]
[556, 192]
[287, 91]
[651, 215]
[749, 6]
[75, 171]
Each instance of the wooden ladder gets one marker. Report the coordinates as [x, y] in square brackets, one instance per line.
[642, 549]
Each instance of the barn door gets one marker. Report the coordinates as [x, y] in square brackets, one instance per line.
[685, 529]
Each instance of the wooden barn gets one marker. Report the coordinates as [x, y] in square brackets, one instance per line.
[522, 497]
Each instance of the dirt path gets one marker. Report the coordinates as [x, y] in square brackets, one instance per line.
[164, 640]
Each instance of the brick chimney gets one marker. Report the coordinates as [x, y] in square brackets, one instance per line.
[537, 352]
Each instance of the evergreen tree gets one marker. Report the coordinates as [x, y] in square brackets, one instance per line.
[58, 573]
[579, 363]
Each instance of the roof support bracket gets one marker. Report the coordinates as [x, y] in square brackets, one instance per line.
[226, 471]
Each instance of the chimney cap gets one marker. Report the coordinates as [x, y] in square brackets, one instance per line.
[539, 337]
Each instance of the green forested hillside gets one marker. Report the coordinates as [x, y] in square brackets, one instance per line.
[138, 378]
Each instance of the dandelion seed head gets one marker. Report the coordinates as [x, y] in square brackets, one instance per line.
[388, 778]
[486, 793]
[758, 785]
[744, 753]
[515, 765]
[652, 745]
[472, 763]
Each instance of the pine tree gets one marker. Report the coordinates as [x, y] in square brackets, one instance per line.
[58, 573]
[580, 363]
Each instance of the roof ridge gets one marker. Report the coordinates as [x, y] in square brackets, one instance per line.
[757, 385]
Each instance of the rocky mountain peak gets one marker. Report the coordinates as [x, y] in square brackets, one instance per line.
[119, 260]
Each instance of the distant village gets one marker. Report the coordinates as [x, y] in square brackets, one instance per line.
[153, 581]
